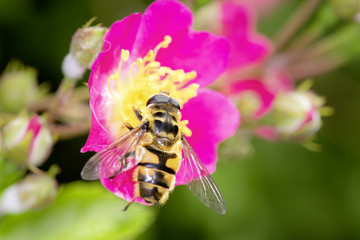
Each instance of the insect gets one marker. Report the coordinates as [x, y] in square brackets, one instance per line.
[157, 148]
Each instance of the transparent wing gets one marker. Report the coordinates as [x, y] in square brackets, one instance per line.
[118, 157]
[200, 182]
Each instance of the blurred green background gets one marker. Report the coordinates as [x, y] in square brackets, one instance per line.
[281, 191]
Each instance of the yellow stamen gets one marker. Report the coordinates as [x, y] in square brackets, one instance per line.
[164, 44]
[124, 57]
[144, 78]
[185, 130]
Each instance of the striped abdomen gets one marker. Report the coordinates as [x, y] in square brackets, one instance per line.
[156, 174]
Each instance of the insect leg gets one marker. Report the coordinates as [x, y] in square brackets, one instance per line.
[128, 126]
[123, 162]
[127, 206]
[137, 112]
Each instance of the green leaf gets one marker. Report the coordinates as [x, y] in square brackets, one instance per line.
[81, 211]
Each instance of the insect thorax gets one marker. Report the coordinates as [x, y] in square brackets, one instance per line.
[164, 125]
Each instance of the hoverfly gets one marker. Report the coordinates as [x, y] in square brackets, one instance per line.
[157, 149]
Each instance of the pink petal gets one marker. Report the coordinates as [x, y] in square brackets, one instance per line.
[35, 127]
[267, 132]
[257, 87]
[276, 79]
[169, 17]
[212, 118]
[98, 137]
[164, 17]
[201, 52]
[120, 36]
[123, 186]
[247, 47]
[310, 115]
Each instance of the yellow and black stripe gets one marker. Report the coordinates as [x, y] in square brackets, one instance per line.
[156, 174]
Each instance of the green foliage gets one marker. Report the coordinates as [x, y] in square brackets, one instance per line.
[81, 211]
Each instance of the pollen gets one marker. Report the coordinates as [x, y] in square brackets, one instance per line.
[136, 80]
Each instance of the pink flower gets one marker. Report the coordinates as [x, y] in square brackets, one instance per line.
[247, 46]
[260, 92]
[295, 115]
[292, 114]
[158, 51]
[257, 81]
[236, 22]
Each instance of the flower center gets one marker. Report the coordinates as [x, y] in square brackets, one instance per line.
[132, 84]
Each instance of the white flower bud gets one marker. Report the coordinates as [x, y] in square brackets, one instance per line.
[27, 141]
[31, 193]
[71, 68]
[86, 44]
[296, 114]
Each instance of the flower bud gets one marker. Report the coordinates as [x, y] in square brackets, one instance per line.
[296, 114]
[86, 44]
[18, 87]
[71, 68]
[27, 141]
[31, 193]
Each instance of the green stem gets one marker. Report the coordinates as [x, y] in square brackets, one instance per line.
[314, 67]
[62, 95]
[35, 169]
[294, 24]
[69, 131]
[324, 20]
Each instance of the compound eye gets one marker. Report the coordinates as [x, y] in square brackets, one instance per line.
[175, 103]
[157, 98]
